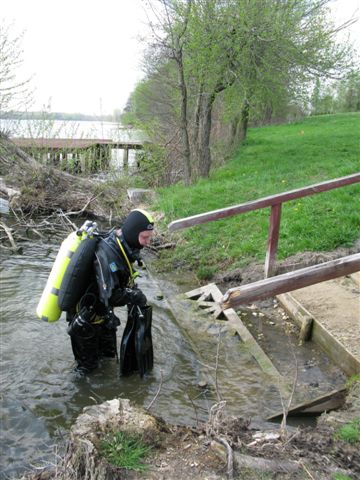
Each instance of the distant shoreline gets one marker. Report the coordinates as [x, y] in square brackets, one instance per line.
[57, 116]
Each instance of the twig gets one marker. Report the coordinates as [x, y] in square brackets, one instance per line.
[195, 409]
[86, 205]
[65, 215]
[218, 394]
[229, 455]
[283, 431]
[216, 411]
[157, 393]
[10, 237]
[307, 470]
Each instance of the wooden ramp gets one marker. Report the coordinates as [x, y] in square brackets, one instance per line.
[208, 298]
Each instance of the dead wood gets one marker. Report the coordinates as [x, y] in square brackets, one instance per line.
[34, 188]
[8, 232]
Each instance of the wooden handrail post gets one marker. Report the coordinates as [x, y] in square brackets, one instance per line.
[273, 239]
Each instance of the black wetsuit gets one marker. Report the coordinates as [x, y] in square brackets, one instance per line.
[110, 285]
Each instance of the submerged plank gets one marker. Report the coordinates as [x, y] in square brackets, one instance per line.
[324, 403]
[208, 298]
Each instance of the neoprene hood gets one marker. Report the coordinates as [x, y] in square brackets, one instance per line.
[137, 221]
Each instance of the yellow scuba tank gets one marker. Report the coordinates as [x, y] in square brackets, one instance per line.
[48, 307]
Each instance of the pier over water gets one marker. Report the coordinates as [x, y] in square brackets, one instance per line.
[76, 154]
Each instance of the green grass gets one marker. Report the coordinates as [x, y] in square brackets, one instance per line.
[125, 451]
[350, 432]
[274, 159]
[350, 382]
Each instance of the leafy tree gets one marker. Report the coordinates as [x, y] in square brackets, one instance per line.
[253, 55]
[348, 92]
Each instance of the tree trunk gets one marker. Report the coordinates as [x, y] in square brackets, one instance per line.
[242, 126]
[183, 120]
[204, 158]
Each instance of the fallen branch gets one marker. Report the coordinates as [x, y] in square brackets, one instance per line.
[82, 210]
[229, 456]
[157, 393]
[257, 463]
[7, 230]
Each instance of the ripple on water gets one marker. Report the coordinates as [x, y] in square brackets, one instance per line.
[41, 395]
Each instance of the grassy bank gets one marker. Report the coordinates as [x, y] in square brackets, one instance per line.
[273, 160]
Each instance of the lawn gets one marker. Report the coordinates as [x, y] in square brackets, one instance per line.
[274, 159]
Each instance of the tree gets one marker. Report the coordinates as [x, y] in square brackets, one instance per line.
[15, 92]
[348, 92]
[261, 51]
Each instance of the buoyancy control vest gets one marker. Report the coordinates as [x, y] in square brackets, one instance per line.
[69, 275]
[113, 266]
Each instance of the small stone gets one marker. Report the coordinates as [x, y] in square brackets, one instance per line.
[314, 384]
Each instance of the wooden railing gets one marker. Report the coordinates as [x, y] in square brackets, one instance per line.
[275, 203]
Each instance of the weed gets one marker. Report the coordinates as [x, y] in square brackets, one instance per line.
[125, 450]
[350, 432]
[352, 380]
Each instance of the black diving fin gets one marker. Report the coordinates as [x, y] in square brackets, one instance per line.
[136, 349]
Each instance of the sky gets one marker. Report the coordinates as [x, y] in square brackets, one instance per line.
[85, 55]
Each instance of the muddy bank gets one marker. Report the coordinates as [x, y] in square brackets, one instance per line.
[221, 448]
[255, 271]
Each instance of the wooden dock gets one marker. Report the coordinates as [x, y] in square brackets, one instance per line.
[76, 154]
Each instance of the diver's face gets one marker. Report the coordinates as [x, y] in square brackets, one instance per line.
[145, 237]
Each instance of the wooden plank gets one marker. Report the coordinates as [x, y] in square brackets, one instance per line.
[273, 239]
[205, 292]
[263, 202]
[256, 351]
[324, 403]
[202, 296]
[335, 350]
[297, 312]
[74, 143]
[291, 281]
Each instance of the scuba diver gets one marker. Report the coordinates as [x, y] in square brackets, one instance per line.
[111, 283]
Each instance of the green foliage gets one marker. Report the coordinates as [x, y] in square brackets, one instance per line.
[275, 159]
[350, 432]
[125, 450]
[340, 476]
[352, 380]
[152, 165]
[247, 60]
[337, 96]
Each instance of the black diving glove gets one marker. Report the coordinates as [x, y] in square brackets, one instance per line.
[128, 295]
[111, 320]
[136, 297]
